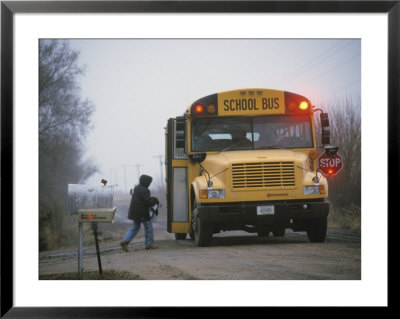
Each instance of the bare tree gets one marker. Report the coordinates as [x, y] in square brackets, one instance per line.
[64, 120]
[345, 127]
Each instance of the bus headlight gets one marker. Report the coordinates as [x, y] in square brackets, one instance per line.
[311, 190]
[216, 193]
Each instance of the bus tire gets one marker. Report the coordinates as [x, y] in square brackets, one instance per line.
[202, 231]
[262, 232]
[180, 236]
[316, 230]
[279, 232]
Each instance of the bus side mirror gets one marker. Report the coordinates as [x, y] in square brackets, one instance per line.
[326, 134]
[197, 158]
[324, 119]
[180, 132]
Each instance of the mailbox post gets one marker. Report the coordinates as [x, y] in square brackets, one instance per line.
[92, 204]
[93, 216]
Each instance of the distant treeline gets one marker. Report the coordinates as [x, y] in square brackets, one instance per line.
[64, 120]
[345, 187]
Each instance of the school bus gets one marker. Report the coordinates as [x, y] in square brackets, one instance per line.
[246, 160]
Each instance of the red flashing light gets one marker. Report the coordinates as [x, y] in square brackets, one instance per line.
[199, 108]
[296, 103]
[90, 216]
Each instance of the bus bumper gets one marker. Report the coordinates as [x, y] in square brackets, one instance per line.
[289, 214]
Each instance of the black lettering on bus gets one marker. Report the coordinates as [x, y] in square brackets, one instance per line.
[276, 102]
[231, 106]
[255, 104]
[251, 104]
[267, 103]
[264, 103]
[244, 104]
[226, 106]
[238, 105]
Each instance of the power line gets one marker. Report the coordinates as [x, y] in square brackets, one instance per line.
[310, 62]
[331, 51]
[124, 168]
[137, 170]
[336, 67]
[348, 85]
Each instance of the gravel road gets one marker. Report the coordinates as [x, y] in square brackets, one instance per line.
[232, 256]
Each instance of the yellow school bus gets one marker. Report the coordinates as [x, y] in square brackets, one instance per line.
[246, 160]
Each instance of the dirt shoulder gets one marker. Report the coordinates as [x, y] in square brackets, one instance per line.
[232, 256]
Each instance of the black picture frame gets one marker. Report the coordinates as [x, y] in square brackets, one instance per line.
[9, 8]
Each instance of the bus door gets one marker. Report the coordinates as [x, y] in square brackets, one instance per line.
[177, 177]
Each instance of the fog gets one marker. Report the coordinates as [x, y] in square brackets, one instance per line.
[137, 84]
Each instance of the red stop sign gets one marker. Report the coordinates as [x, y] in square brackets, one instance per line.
[330, 165]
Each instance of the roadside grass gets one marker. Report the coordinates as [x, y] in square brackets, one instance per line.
[345, 217]
[92, 275]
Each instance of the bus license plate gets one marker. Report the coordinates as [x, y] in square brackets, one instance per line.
[265, 210]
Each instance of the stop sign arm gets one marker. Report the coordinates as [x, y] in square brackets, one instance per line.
[329, 165]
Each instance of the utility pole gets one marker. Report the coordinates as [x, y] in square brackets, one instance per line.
[113, 176]
[160, 157]
[138, 171]
[125, 186]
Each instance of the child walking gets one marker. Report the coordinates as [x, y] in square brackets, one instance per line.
[139, 212]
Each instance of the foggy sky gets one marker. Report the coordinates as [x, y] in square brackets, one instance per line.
[137, 84]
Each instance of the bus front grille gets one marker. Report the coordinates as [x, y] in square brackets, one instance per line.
[263, 175]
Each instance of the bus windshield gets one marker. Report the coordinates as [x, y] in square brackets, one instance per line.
[251, 133]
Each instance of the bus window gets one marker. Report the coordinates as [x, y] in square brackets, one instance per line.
[261, 132]
[218, 134]
[283, 132]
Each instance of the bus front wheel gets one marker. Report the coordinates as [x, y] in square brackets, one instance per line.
[279, 232]
[316, 230]
[201, 230]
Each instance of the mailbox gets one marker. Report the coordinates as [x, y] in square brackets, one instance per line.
[92, 204]
[96, 215]
[89, 197]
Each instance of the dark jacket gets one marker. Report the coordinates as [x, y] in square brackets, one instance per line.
[141, 200]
